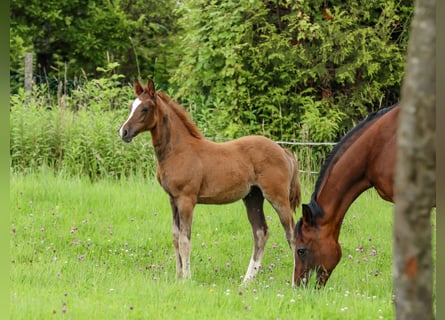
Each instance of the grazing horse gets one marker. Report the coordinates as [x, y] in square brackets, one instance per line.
[364, 158]
[192, 170]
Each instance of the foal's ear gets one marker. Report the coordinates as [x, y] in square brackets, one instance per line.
[151, 87]
[307, 214]
[137, 87]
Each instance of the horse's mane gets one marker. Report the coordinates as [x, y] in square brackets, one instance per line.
[182, 115]
[339, 149]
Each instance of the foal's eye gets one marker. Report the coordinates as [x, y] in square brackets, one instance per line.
[301, 252]
[145, 109]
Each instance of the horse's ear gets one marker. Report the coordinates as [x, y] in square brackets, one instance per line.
[307, 214]
[137, 87]
[151, 87]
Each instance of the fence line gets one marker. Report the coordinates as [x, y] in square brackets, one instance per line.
[307, 143]
[308, 172]
[293, 144]
[285, 142]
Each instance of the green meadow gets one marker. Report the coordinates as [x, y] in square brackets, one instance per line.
[103, 250]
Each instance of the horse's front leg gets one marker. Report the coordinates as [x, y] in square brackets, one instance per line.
[175, 234]
[185, 208]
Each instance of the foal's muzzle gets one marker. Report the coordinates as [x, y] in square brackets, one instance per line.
[125, 134]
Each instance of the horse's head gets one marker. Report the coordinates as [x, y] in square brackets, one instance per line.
[142, 112]
[314, 250]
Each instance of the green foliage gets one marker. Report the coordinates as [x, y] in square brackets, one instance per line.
[320, 127]
[19, 44]
[102, 94]
[79, 135]
[273, 67]
[225, 61]
[78, 35]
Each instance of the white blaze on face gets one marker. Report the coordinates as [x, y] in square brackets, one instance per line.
[136, 103]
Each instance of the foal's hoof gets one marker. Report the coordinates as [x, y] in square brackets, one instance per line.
[246, 281]
[182, 276]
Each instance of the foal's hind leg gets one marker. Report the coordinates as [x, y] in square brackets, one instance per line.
[284, 211]
[278, 196]
[287, 221]
[254, 205]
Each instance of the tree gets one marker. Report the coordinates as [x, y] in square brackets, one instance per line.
[303, 70]
[415, 172]
[81, 35]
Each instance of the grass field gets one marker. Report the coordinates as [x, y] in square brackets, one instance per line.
[103, 250]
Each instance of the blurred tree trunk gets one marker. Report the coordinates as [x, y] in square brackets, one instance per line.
[415, 174]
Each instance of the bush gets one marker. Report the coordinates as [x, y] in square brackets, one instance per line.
[276, 67]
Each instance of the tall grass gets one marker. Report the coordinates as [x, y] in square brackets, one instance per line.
[103, 250]
[74, 139]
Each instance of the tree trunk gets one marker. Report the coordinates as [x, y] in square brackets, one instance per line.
[415, 177]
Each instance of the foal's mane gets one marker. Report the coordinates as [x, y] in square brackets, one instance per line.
[339, 149]
[182, 115]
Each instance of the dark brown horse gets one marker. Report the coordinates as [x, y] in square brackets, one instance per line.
[364, 158]
[194, 170]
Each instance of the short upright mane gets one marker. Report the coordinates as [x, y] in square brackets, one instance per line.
[182, 115]
[346, 140]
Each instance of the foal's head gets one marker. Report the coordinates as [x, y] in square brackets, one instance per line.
[142, 112]
[314, 250]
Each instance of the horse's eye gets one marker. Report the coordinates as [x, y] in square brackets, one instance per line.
[301, 252]
[145, 109]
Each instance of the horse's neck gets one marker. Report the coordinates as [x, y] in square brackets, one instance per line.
[350, 175]
[168, 134]
[344, 182]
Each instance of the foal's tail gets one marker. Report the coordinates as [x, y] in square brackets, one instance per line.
[294, 190]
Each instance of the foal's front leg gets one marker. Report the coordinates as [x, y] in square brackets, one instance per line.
[182, 229]
[175, 234]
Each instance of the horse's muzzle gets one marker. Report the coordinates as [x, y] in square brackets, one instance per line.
[125, 134]
[322, 276]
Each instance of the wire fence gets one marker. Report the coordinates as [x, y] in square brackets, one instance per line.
[289, 143]
[307, 144]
